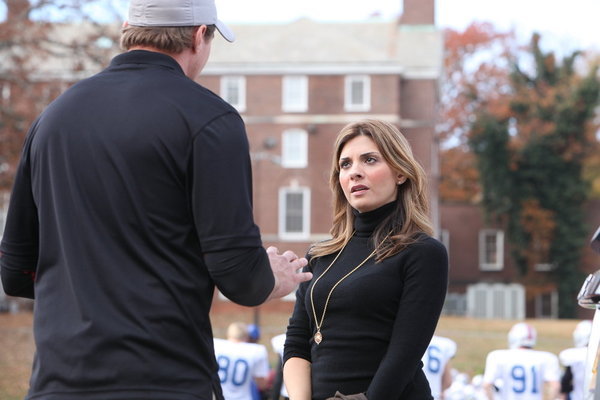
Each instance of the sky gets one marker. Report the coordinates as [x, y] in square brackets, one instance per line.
[564, 24]
[572, 24]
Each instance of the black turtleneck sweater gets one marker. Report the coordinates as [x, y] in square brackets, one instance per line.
[379, 320]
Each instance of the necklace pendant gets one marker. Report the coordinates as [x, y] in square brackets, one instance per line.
[318, 337]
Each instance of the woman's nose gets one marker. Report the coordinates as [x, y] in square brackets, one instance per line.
[356, 173]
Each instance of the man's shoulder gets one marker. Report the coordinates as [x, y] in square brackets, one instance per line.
[573, 355]
[278, 342]
[544, 354]
[443, 341]
[499, 355]
[190, 90]
[447, 345]
[256, 348]
[531, 356]
[218, 342]
[240, 348]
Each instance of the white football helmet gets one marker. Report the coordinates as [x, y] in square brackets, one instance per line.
[582, 332]
[522, 335]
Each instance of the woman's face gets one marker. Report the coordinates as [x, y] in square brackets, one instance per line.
[366, 178]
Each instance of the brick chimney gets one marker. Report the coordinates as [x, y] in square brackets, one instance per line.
[17, 10]
[418, 12]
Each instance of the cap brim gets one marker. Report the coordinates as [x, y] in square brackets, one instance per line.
[225, 31]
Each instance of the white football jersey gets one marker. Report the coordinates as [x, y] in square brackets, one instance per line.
[522, 372]
[575, 359]
[437, 355]
[239, 364]
[277, 342]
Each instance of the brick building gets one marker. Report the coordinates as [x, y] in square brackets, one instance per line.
[296, 85]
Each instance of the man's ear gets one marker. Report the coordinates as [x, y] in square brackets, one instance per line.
[199, 37]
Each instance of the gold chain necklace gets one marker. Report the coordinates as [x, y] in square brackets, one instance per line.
[318, 337]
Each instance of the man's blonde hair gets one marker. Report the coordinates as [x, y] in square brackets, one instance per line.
[237, 331]
[171, 39]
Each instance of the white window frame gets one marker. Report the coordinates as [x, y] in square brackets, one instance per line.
[6, 92]
[538, 305]
[496, 301]
[283, 229]
[239, 83]
[544, 267]
[543, 263]
[294, 93]
[349, 104]
[484, 264]
[294, 148]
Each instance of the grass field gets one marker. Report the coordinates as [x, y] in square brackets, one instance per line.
[475, 338]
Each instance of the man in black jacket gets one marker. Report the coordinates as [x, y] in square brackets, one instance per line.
[132, 200]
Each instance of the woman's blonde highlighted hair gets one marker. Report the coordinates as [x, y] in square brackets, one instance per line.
[410, 216]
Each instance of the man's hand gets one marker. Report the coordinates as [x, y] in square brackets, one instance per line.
[286, 268]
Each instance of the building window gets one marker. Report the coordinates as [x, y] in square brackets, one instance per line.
[357, 93]
[496, 301]
[544, 267]
[455, 304]
[294, 213]
[233, 91]
[295, 94]
[294, 148]
[541, 242]
[491, 250]
[5, 93]
[546, 305]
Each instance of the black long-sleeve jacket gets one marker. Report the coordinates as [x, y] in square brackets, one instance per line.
[132, 200]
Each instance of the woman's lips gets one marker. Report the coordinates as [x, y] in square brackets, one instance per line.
[358, 188]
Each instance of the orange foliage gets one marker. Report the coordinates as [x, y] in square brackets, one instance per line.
[478, 73]
[460, 177]
[539, 224]
[467, 80]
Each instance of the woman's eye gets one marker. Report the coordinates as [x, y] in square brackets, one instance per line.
[344, 164]
[370, 160]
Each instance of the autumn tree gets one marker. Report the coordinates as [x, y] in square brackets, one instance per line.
[474, 69]
[531, 140]
[45, 45]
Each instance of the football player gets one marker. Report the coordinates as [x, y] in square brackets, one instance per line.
[525, 373]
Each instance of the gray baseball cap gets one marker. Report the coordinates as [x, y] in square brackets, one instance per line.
[177, 13]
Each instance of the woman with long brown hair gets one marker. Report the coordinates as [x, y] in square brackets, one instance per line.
[361, 326]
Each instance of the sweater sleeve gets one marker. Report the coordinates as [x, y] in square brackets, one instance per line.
[243, 275]
[19, 247]
[425, 285]
[297, 339]
[221, 188]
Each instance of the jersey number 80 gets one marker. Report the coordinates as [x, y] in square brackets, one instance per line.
[235, 372]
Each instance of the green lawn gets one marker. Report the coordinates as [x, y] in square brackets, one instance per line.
[475, 338]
